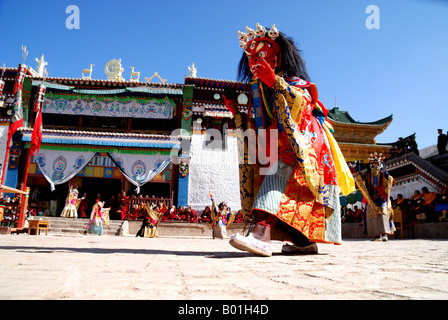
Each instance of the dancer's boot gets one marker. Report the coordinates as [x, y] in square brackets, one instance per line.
[258, 241]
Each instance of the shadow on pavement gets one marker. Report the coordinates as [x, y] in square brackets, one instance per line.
[46, 250]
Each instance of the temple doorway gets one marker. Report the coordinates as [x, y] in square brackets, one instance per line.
[157, 189]
[106, 189]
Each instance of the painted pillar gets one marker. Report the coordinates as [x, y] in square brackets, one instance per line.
[26, 97]
[16, 167]
[184, 159]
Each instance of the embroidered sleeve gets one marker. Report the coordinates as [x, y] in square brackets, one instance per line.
[295, 97]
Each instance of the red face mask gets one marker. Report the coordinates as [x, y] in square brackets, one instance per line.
[263, 48]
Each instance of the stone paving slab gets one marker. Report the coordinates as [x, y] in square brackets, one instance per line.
[184, 268]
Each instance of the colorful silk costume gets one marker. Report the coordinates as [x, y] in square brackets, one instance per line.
[98, 218]
[150, 222]
[303, 189]
[71, 205]
[220, 219]
[375, 185]
[304, 181]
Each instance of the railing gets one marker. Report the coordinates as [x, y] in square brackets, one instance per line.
[135, 203]
[17, 210]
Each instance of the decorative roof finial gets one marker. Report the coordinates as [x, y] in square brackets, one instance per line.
[192, 71]
[88, 71]
[24, 54]
[41, 63]
[135, 76]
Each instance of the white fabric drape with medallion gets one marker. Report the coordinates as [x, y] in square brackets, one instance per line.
[140, 168]
[59, 166]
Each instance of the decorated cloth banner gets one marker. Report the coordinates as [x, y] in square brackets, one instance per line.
[140, 168]
[126, 107]
[351, 198]
[59, 166]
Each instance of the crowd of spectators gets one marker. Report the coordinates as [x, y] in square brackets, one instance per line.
[352, 215]
[403, 146]
[356, 166]
[182, 214]
[425, 206]
[187, 214]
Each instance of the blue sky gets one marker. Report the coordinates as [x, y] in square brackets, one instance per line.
[400, 68]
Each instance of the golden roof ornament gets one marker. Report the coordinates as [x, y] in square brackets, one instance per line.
[155, 75]
[114, 70]
[135, 76]
[88, 72]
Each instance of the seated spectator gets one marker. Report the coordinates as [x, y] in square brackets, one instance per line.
[206, 215]
[181, 213]
[357, 214]
[425, 206]
[162, 207]
[349, 216]
[238, 217]
[32, 210]
[191, 215]
[172, 215]
[165, 217]
[417, 195]
[401, 202]
[429, 197]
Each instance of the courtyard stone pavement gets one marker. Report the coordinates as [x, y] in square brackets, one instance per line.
[72, 267]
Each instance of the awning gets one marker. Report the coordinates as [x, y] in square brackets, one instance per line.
[105, 139]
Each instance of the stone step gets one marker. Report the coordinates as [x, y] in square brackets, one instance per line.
[71, 225]
[131, 227]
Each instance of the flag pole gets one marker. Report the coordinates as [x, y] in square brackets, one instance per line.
[17, 86]
[36, 140]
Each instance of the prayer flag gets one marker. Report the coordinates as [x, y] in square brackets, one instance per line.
[36, 137]
[17, 111]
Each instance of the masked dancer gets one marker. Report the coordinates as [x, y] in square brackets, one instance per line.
[375, 184]
[296, 197]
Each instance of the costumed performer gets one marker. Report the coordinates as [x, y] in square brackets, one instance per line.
[220, 219]
[71, 204]
[150, 222]
[298, 199]
[124, 205]
[375, 184]
[83, 206]
[98, 218]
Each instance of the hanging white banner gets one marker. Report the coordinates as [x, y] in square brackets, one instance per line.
[140, 168]
[59, 166]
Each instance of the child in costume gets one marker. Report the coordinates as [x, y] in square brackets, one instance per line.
[297, 197]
